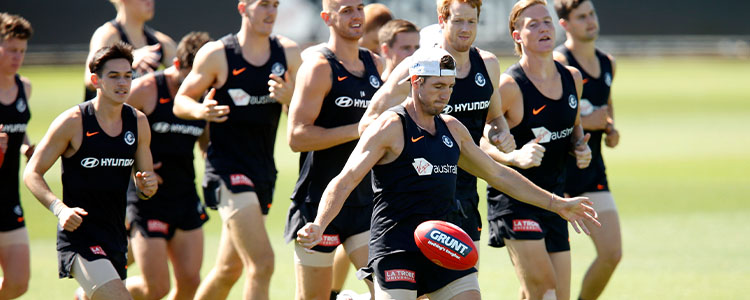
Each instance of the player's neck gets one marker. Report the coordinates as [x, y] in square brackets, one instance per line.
[539, 65]
[107, 110]
[252, 42]
[581, 49]
[133, 26]
[7, 81]
[172, 76]
[345, 50]
[463, 64]
[420, 117]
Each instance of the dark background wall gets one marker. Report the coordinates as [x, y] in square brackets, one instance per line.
[71, 23]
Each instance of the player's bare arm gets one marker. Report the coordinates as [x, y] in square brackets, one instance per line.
[313, 83]
[613, 136]
[63, 138]
[209, 70]
[381, 143]
[27, 148]
[281, 89]
[580, 141]
[389, 95]
[145, 179]
[479, 164]
[168, 47]
[496, 130]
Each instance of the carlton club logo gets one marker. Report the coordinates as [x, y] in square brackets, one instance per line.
[129, 138]
[608, 79]
[423, 167]
[374, 81]
[447, 141]
[573, 101]
[479, 80]
[278, 69]
[21, 105]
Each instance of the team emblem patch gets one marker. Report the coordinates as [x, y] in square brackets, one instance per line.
[423, 167]
[400, 275]
[278, 69]
[447, 141]
[573, 101]
[21, 105]
[608, 79]
[479, 79]
[129, 138]
[374, 81]
[18, 210]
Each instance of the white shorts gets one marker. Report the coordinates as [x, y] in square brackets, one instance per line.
[603, 201]
[91, 275]
[18, 236]
[230, 203]
[467, 283]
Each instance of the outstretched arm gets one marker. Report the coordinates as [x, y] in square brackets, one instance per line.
[507, 180]
[380, 143]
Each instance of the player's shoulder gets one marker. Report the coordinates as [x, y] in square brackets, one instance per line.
[26, 85]
[107, 33]
[610, 57]
[163, 38]
[388, 122]
[560, 57]
[577, 76]
[287, 43]
[488, 57]
[211, 54]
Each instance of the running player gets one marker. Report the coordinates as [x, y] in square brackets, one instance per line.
[102, 142]
[251, 75]
[153, 48]
[168, 225]
[474, 101]
[376, 15]
[540, 102]
[15, 90]
[398, 40]
[333, 92]
[414, 153]
[581, 24]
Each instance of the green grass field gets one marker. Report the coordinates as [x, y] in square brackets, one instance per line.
[679, 177]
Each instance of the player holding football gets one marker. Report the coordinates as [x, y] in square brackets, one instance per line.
[414, 153]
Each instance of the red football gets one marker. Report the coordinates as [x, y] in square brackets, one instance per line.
[446, 245]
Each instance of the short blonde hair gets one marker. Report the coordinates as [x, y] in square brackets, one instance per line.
[516, 12]
[443, 7]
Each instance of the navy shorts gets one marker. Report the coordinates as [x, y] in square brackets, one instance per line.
[467, 216]
[11, 216]
[350, 221]
[413, 271]
[162, 223]
[526, 224]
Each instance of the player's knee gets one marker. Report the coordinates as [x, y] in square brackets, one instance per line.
[611, 257]
[157, 289]
[228, 274]
[538, 287]
[263, 268]
[188, 280]
[14, 287]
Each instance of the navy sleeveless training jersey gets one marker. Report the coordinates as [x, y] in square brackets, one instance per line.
[469, 103]
[150, 40]
[14, 117]
[241, 148]
[345, 104]
[96, 179]
[172, 143]
[419, 185]
[595, 94]
[555, 118]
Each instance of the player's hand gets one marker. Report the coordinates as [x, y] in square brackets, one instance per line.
[157, 166]
[576, 210]
[212, 112]
[583, 152]
[146, 182]
[280, 88]
[146, 59]
[71, 218]
[597, 120]
[309, 235]
[613, 138]
[504, 141]
[28, 150]
[530, 155]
